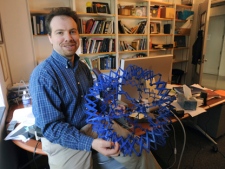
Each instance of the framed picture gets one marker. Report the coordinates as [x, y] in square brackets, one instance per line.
[154, 27]
[1, 38]
[100, 7]
[180, 41]
[4, 63]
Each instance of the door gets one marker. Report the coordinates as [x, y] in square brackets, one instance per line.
[215, 44]
[203, 21]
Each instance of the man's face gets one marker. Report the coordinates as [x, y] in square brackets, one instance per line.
[64, 36]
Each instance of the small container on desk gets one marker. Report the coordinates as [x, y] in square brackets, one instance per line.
[186, 104]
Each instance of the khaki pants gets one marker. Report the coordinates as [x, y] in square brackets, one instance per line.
[65, 158]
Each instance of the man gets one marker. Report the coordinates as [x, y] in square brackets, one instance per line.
[58, 86]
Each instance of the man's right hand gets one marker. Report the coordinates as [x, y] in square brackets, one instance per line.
[106, 148]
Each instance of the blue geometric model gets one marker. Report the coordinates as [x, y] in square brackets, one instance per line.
[107, 90]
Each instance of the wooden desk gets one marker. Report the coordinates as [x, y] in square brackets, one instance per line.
[30, 144]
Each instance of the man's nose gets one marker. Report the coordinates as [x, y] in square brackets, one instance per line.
[68, 36]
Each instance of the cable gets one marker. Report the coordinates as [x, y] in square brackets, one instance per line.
[182, 151]
[175, 147]
[222, 154]
[38, 141]
[22, 81]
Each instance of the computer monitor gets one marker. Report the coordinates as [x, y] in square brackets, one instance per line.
[158, 64]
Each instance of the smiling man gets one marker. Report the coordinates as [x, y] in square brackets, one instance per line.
[58, 86]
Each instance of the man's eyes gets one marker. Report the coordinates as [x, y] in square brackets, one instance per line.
[71, 32]
[59, 33]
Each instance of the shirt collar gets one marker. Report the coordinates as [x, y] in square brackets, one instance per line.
[64, 61]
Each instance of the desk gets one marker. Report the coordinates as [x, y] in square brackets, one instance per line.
[30, 145]
[212, 104]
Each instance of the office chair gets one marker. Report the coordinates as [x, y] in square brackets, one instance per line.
[177, 76]
[96, 71]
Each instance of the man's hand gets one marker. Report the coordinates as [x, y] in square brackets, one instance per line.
[106, 148]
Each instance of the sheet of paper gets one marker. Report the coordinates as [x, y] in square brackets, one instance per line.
[192, 113]
[23, 115]
[19, 133]
[199, 86]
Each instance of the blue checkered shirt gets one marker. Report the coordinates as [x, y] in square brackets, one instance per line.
[57, 89]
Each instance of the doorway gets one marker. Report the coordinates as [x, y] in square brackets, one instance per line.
[214, 48]
[212, 73]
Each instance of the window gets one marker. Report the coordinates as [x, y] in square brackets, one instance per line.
[1, 97]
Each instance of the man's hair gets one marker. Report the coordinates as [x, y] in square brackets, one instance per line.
[66, 11]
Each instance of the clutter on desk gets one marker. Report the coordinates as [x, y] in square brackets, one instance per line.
[21, 132]
[186, 103]
[186, 100]
[194, 90]
[25, 118]
[23, 115]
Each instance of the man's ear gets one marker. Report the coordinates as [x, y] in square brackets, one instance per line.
[50, 38]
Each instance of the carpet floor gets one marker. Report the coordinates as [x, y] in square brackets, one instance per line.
[199, 151]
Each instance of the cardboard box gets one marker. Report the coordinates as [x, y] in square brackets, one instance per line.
[187, 2]
[183, 31]
[166, 12]
[125, 10]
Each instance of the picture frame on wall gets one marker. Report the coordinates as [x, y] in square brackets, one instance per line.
[1, 37]
[101, 7]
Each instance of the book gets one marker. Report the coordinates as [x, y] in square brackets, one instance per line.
[94, 62]
[34, 24]
[83, 26]
[141, 27]
[121, 29]
[84, 44]
[38, 24]
[94, 27]
[80, 26]
[107, 26]
[89, 25]
[42, 24]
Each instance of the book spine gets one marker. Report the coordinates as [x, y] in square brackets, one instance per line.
[34, 24]
[42, 24]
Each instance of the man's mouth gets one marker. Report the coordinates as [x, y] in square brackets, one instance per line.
[69, 46]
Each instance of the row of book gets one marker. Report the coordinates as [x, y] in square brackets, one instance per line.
[96, 45]
[38, 24]
[140, 28]
[95, 26]
[102, 62]
[137, 44]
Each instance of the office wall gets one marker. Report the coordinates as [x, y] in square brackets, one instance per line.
[8, 159]
[17, 33]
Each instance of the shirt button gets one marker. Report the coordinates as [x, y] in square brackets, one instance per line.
[78, 82]
[67, 67]
[82, 96]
